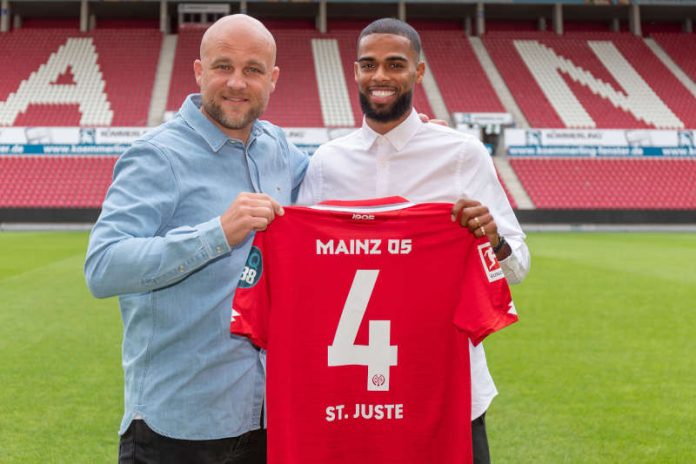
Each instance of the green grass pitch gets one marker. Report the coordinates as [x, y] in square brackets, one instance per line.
[601, 367]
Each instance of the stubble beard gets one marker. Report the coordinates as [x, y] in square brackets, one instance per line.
[400, 107]
[240, 122]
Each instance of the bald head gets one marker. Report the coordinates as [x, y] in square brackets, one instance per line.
[236, 73]
[228, 28]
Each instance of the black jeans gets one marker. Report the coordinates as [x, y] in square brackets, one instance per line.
[479, 440]
[141, 445]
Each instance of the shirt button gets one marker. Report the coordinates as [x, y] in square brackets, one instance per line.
[182, 268]
[218, 249]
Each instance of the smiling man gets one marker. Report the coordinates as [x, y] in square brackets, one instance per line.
[236, 78]
[395, 154]
[386, 102]
[175, 226]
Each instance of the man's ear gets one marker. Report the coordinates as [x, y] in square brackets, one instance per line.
[198, 71]
[420, 72]
[275, 74]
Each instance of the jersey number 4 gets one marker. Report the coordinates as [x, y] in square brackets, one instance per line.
[378, 355]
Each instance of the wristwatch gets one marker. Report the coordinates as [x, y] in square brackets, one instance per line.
[500, 245]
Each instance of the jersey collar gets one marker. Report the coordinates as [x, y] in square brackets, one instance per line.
[367, 205]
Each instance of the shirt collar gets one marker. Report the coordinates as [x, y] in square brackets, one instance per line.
[398, 137]
[216, 139]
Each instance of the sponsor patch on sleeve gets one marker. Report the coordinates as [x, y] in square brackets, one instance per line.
[252, 269]
[490, 263]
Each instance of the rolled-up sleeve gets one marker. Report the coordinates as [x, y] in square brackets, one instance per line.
[484, 186]
[516, 266]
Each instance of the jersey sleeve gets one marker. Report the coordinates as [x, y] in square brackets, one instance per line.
[252, 303]
[486, 304]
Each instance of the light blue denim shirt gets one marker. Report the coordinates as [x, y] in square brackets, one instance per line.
[158, 245]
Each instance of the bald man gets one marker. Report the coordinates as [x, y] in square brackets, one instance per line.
[175, 225]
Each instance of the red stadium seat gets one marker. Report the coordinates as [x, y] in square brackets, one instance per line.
[127, 61]
[575, 183]
[575, 47]
[463, 83]
[681, 48]
[54, 182]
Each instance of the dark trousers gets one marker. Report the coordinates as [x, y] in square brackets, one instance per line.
[141, 445]
[479, 440]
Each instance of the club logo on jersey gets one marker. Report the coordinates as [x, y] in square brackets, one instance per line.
[490, 263]
[378, 380]
[252, 269]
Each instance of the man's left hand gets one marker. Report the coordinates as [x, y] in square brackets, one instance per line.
[476, 217]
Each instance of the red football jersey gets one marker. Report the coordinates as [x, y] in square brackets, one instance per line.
[365, 313]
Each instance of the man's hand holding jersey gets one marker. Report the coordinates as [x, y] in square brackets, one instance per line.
[249, 212]
[479, 220]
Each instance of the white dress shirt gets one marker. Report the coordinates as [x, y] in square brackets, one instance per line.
[423, 163]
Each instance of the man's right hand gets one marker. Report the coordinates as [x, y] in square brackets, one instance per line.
[248, 212]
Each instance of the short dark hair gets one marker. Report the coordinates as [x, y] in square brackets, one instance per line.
[396, 27]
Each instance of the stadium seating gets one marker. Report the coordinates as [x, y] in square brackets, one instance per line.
[295, 101]
[604, 102]
[567, 183]
[463, 84]
[183, 81]
[336, 106]
[681, 48]
[572, 86]
[54, 182]
[585, 78]
[60, 77]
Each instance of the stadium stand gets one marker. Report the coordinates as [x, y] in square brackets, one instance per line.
[54, 75]
[109, 71]
[295, 101]
[590, 80]
[459, 75]
[183, 81]
[681, 48]
[54, 181]
[331, 80]
[574, 183]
